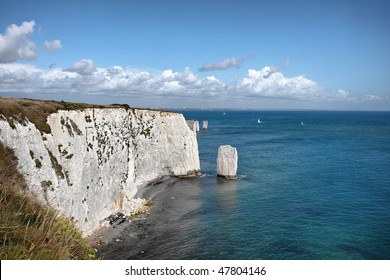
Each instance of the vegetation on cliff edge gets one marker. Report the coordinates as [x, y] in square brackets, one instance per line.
[27, 229]
[37, 111]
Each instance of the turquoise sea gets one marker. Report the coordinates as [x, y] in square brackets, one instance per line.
[313, 190]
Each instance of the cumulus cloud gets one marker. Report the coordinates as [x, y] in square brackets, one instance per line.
[53, 45]
[267, 83]
[231, 62]
[83, 67]
[84, 77]
[16, 43]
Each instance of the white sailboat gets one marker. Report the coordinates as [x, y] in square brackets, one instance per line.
[302, 123]
[258, 120]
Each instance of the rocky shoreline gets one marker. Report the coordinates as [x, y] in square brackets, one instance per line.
[111, 228]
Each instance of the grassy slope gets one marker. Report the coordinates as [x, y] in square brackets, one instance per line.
[27, 229]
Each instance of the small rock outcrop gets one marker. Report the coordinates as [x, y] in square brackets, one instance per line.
[227, 162]
[205, 125]
[193, 125]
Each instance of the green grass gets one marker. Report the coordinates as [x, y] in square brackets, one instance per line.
[27, 229]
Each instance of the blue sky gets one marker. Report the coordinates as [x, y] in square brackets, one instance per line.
[256, 54]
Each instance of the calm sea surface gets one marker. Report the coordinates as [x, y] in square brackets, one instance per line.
[315, 191]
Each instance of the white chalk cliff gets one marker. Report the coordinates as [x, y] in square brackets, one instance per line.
[92, 162]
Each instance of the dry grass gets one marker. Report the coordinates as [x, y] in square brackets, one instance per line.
[27, 229]
[36, 111]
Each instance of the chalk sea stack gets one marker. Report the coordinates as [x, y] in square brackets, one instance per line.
[205, 125]
[227, 162]
[193, 125]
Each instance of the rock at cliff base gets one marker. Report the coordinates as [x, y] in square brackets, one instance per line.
[227, 162]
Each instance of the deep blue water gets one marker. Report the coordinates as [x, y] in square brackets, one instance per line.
[315, 191]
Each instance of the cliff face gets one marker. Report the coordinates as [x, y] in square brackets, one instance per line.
[92, 162]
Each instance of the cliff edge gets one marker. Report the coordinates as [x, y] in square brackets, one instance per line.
[87, 162]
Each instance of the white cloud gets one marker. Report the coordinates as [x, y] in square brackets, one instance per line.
[171, 86]
[83, 67]
[83, 77]
[231, 62]
[265, 83]
[166, 74]
[53, 45]
[343, 93]
[16, 43]
[370, 97]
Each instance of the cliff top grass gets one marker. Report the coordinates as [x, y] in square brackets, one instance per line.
[27, 229]
[37, 111]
